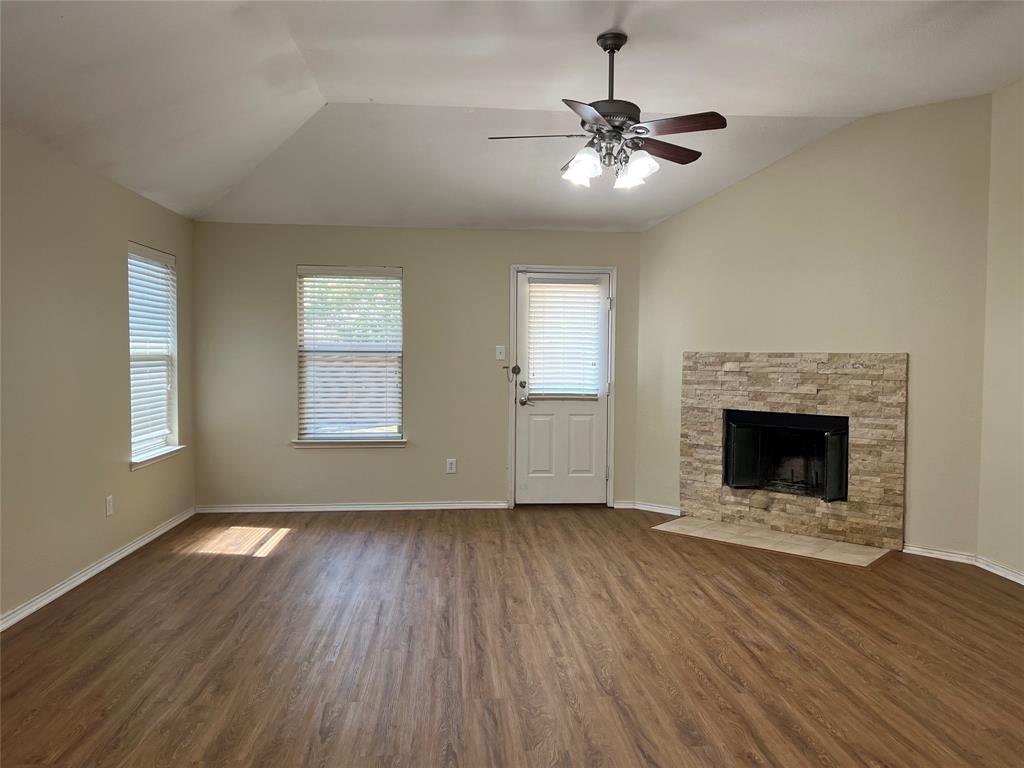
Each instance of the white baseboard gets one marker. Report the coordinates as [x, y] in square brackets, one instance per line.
[966, 557]
[400, 506]
[29, 607]
[999, 569]
[661, 509]
[940, 554]
[357, 507]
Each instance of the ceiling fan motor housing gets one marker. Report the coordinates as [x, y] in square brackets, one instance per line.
[617, 112]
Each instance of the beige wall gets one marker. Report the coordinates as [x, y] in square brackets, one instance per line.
[1001, 500]
[65, 389]
[884, 226]
[456, 310]
[871, 239]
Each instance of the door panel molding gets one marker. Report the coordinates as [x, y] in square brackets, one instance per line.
[581, 446]
[541, 450]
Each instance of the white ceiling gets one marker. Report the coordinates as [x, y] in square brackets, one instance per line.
[386, 165]
[216, 110]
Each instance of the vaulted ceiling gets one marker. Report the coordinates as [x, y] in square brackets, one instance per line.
[377, 113]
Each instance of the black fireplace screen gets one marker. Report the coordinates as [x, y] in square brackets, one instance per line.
[797, 453]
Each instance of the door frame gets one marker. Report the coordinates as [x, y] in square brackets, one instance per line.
[515, 269]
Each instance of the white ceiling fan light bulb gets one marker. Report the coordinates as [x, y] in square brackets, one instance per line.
[588, 162]
[576, 176]
[641, 164]
[627, 181]
[585, 165]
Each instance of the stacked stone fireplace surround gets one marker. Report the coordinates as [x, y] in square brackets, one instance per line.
[869, 388]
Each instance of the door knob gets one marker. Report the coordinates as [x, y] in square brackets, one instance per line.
[525, 400]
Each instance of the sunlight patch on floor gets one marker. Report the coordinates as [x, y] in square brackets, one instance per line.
[242, 540]
[268, 546]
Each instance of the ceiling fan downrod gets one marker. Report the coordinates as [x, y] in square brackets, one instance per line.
[611, 75]
[611, 43]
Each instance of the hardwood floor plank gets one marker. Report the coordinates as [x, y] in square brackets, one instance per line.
[542, 636]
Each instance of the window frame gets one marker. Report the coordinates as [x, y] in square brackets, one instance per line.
[173, 441]
[399, 440]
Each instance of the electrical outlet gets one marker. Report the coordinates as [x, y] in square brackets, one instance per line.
[450, 466]
[499, 352]
[110, 505]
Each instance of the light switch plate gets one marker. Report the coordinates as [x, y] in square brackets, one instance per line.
[499, 352]
[450, 466]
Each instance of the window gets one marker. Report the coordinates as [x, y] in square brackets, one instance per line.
[153, 351]
[350, 353]
[564, 337]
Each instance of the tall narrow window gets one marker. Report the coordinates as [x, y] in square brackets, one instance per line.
[350, 353]
[153, 351]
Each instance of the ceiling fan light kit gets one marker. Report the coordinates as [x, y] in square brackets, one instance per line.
[619, 140]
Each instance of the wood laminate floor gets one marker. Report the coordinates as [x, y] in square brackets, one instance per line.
[571, 636]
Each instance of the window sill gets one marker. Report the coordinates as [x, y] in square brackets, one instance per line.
[349, 443]
[165, 454]
[593, 398]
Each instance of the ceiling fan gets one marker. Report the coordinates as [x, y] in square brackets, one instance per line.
[619, 139]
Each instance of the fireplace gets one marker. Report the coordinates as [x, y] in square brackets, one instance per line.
[801, 454]
[868, 388]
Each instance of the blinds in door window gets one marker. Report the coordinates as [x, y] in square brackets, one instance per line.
[564, 337]
[350, 353]
[153, 350]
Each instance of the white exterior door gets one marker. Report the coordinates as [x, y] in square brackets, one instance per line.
[562, 329]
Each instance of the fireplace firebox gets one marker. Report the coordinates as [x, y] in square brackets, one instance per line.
[802, 454]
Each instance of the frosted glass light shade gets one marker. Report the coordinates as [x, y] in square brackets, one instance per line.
[626, 181]
[576, 176]
[641, 164]
[584, 166]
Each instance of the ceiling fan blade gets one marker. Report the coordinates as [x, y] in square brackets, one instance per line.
[587, 113]
[670, 152]
[702, 121]
[544, 136]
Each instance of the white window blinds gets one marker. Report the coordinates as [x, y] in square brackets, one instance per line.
[350, 353]
[564, 337]
[153, 350]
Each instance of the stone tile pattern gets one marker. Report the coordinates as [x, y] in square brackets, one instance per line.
[869, 388]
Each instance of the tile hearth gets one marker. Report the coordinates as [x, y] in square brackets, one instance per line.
[775, 541]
